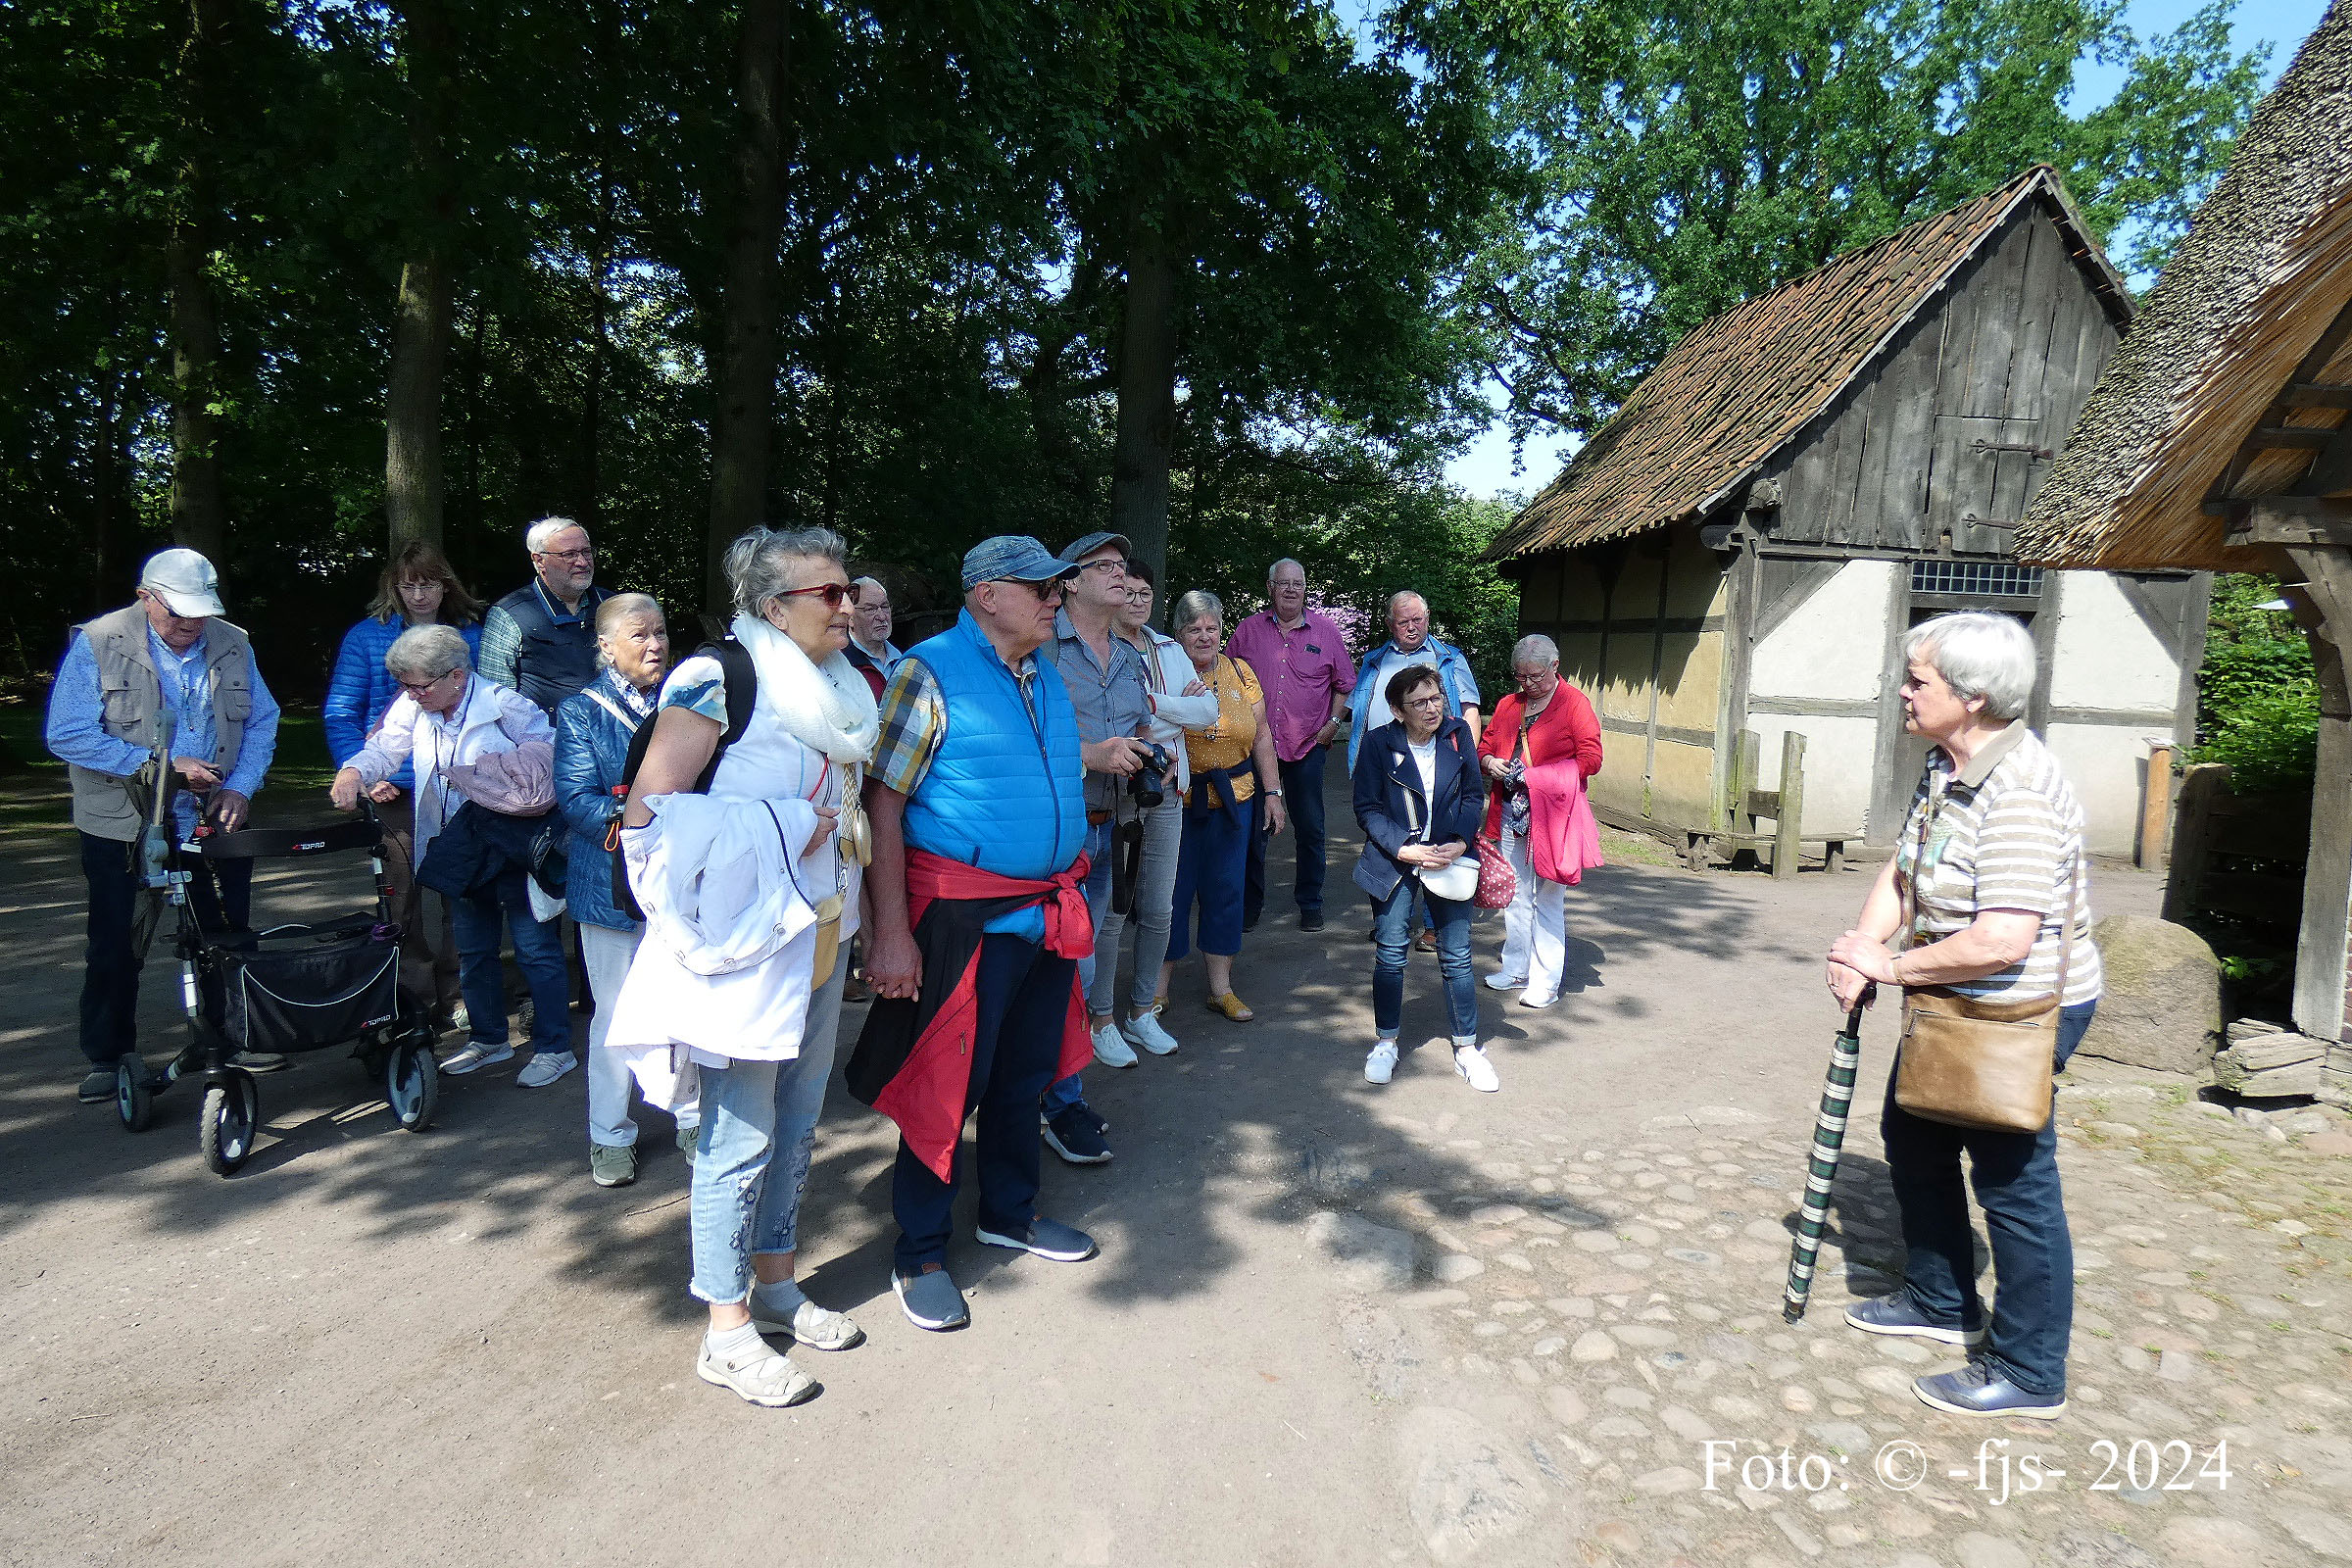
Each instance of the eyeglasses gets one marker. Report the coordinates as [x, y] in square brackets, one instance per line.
[418, 688]
[1139, 595]
[1107, 565]
[1432, 699]
[579, 557]
[832, 593]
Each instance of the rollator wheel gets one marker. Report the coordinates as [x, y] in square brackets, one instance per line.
[232, 1118]
[412, 1084]
[134, 1101]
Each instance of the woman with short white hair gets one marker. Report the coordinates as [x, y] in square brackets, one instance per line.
[1537, 755]
[1987, 902]
[744, 849]
[447, 717]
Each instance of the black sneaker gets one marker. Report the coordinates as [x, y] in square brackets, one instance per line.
[98, 1086]
[1075, 1133]
[1046, 1238]
[260, 1061]
[1311, 919]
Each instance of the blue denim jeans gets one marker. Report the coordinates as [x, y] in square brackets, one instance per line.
[2016, 1178]
[1209, 871]
[1302, 793]
[1154, 893]
[1069, 1091]
[1022, 996]
[538, 951]
[1391, 925]
[742, 1201]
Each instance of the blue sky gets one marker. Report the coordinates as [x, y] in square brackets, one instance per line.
[1484, 469]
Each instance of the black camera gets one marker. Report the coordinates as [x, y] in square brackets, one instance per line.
[1144, 782]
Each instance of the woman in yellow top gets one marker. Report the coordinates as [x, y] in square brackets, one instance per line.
[1232, 761]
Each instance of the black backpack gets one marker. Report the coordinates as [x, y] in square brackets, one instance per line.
[743, 692]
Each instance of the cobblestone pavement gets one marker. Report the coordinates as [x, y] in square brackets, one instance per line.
[1589, 1348]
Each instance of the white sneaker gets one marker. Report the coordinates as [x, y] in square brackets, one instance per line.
[1472, 1063]
[1143, 1030]
[1531, 999]
[1109, 1049]
[1499, 981]
[1380, 1065]
[475, 1054]
[545, 1067]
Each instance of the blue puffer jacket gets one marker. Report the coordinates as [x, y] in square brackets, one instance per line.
[360, 689]
[591, 743]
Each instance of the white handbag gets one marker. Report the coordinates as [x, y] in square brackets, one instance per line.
[1456, 883]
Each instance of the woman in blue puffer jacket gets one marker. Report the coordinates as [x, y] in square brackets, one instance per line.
[593, 731]
[417, 589]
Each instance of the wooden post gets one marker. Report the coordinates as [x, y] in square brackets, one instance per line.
[2320, 949]
[1747, 763]
[1791, 822]
[2155, 807]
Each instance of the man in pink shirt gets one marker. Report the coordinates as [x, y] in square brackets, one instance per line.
[1302, 663]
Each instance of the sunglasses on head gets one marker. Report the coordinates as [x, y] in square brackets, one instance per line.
[832, 593]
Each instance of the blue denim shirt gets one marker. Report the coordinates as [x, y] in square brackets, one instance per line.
[1111, 700]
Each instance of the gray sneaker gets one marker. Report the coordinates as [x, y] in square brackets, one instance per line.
[611, 1165]
[818, 1328]
[98, 1086]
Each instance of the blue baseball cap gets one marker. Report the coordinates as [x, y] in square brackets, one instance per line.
[1014, 556]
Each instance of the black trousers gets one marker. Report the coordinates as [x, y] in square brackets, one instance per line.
[222, 897]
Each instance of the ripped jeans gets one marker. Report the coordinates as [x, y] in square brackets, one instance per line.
[758, 1132]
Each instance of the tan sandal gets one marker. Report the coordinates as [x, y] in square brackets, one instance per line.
[1232, 1007]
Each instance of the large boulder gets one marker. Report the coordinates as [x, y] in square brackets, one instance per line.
[2162, 1007]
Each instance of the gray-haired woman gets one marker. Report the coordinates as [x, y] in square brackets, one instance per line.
[754, 1003]
[446, 716]
[1991, 859]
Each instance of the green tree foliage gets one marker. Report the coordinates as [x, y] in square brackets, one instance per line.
[1687, 153]
[2258, 707]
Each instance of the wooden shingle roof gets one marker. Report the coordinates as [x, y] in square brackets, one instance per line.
[1746, 382]
[2210, 399]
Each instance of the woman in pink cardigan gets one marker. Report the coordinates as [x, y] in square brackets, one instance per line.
[1539, 750]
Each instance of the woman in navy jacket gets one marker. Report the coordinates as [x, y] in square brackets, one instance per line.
[593, 730]
[1420, 801]
[418, 588]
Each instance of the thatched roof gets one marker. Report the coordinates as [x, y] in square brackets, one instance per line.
[2243, 309]
[1743, 384]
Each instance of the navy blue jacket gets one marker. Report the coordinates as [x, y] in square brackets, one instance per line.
[590, 747]
[1386, 779]
[360, 689]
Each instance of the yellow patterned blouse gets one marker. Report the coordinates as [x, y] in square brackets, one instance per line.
[1227, 742]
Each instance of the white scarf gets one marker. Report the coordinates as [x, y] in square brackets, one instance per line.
[828, 708]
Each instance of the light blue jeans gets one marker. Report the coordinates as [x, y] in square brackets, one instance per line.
[1069, 1091]
[742, 1201]
[1154, 896]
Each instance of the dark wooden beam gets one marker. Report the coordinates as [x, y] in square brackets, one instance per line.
[2317, 395]
[2298, 520]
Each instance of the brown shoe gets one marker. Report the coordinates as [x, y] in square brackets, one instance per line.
[1426, 941]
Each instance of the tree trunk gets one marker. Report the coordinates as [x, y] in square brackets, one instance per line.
[592, 389]
[744, 379]
[1147, 433]
[103, 482]
[198, 518]
[414, 489]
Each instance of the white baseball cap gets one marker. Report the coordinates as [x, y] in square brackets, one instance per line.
[186, 582]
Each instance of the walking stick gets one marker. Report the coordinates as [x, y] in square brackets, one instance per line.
[1821, 1169]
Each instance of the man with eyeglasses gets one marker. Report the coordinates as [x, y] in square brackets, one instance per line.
[166, 673]
[870, 624]
[976, 799]
[1301, 660]
[1106, 678]
[540, 640]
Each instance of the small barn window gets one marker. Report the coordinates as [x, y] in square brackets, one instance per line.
[1976, 579]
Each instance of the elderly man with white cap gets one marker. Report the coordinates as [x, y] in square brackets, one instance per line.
[162, 673]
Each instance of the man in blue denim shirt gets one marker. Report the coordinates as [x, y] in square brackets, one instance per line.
[163, 672]
[1107, 686]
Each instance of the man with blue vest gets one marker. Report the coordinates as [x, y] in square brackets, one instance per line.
[975, 909]
[540, 640]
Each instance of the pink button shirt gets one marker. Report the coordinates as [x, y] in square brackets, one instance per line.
[1300, 669]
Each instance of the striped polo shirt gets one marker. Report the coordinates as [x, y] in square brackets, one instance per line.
[2005, 832]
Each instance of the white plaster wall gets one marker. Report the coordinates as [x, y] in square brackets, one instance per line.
[2105, 655]
[2107, 764]
[1839, 756]
[1835, 645]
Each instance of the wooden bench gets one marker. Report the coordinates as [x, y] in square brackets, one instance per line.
[1744, 805]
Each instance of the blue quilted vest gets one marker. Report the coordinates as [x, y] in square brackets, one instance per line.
[1006, 791]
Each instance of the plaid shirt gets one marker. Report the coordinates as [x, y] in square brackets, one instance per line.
[914, 721]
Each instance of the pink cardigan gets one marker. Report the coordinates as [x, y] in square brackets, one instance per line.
[1563, 837]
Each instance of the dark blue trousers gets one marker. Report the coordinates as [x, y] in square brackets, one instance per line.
[1023, 1001]
[1302, 796]
[2016, 1179]
[222, 897]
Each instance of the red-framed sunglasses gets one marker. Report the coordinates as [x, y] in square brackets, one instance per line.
[832, 593]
